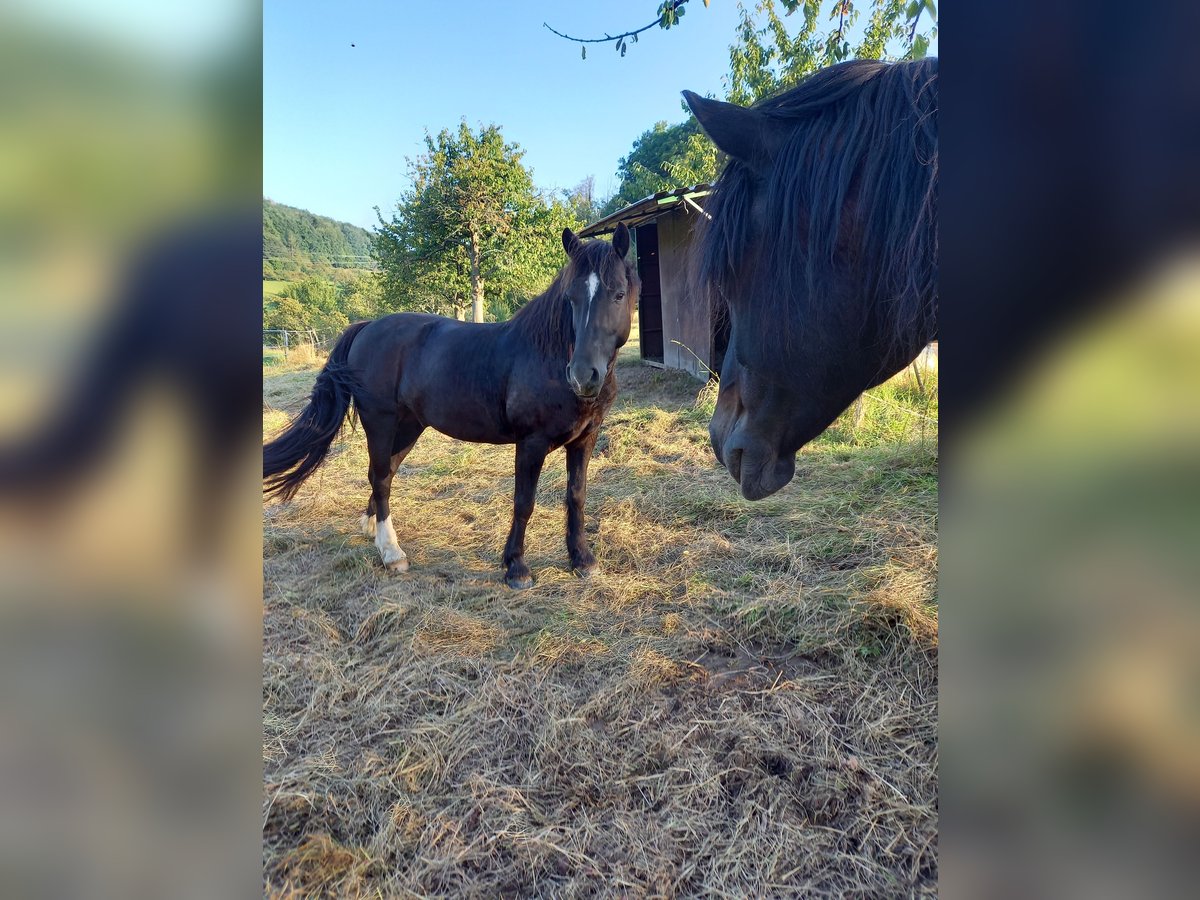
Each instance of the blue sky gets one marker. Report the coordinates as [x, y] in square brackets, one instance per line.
[339, 122]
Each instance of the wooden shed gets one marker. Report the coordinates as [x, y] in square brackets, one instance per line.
[676, 330]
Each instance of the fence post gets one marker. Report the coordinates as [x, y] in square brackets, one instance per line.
[285, 345]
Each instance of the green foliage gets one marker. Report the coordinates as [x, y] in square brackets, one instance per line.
[531, 257]
[771, 55]
[671, 11]
[472, 224]
[889, 20]
[583, 202]
[663, 158]
[324, 306]
[284, 313]
[319, 299]
[297, 244]
[902, 409]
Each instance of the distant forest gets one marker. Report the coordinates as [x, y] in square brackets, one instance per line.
[298, 244]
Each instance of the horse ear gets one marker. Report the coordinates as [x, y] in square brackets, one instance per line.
[620, 241]
[572, 244]
[739, 131]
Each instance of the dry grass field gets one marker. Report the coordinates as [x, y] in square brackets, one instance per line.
[743, 703]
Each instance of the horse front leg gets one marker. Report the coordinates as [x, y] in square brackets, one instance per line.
[579, 454]
[530, 456]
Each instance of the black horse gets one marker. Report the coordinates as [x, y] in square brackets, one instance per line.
[822, 249]
[542, 380]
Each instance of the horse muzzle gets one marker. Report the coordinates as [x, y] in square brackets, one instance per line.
[588, 387]
[758, 469]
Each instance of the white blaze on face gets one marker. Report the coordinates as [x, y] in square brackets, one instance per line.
[389, 547]
[593, 282]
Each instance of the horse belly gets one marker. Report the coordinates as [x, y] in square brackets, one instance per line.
[475, 431]
[459, 408]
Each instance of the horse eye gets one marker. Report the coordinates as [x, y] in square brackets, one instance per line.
[620, 296]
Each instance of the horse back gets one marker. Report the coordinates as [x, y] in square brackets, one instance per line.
[448, 375]
[474, 382]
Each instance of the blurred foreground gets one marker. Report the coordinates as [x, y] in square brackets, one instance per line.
[1071, 558]
[1070, 290]
[129, 530]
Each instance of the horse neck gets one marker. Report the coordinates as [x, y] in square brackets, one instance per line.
[545, 331]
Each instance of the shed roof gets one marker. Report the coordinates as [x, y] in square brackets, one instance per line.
[646, 209]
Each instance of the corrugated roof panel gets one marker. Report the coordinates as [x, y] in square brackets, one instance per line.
[646, 208]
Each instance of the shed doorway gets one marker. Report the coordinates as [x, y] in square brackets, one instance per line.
[650, 318]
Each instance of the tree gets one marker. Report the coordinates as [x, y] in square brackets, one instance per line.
[663, 158]
[325, 307]
[889, 19]
[471, 229]
[418, 270]
[322, 305]
[533, 254]
[284, 314]
[766, 59]
[582, 200]
[361, 298]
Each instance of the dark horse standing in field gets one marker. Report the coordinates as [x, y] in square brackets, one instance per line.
[542, 380]
[822, 249]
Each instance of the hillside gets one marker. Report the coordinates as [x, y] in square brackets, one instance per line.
[297, 243]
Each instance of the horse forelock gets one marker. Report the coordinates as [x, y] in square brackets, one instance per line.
[853, 188]
[597, 258]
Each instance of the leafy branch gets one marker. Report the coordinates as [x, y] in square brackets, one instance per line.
[669, 14]
[919, 43]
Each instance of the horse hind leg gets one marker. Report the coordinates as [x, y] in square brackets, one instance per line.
[404, 441]
[387, 449]
[367, 520]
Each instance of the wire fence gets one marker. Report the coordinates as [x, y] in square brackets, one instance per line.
[925, 371]
[287, 339]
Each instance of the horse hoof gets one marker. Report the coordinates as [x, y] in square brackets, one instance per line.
[522, 583]
[589, 570]
[398, 565]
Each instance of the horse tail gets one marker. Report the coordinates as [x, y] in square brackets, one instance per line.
[293, 456]
[83, 428]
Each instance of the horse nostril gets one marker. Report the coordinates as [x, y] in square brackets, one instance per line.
[595, 374]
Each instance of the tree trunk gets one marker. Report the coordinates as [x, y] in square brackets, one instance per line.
[476, 278]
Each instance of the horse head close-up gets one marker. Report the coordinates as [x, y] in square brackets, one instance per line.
[602, 291]
[822, 251]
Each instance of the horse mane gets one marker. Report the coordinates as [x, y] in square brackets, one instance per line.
[853, 186]
[546, 320]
